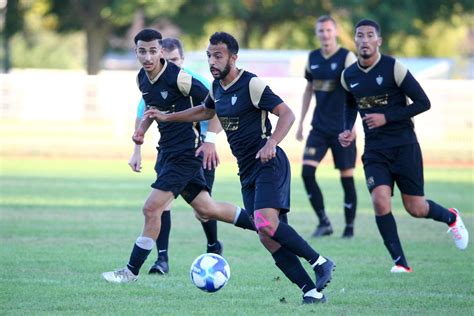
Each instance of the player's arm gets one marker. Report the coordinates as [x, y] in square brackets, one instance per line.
[208, 147]
[412, 88]
[350, 116]
[307, 96]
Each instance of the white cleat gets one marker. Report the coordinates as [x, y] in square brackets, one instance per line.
[120, 276]
[400, 269]
[458, 231]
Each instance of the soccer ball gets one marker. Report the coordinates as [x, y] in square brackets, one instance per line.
[210, 272]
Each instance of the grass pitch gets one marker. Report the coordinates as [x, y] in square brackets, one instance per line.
[63, 222]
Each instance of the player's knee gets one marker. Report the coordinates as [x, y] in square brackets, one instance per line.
[381, 205]
[416, 209]
[308, 173]
[204, 214]
[150, 210]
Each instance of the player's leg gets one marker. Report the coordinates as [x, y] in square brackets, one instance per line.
[152, 210]
[161, 265]
[210, 226]
[410, 181]
[380, 184]
[344, 160]
[315, 150]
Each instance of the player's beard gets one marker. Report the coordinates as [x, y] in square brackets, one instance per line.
[223, 73]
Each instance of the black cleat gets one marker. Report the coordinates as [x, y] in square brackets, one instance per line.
[217, 248]
[324, 274]
[314, 300]
[160, 267]
[348, 232]
[323, 230]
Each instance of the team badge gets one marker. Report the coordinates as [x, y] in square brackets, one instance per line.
[164, 94]
[333, 66]
[233, 99]
[379, 80]
[370, 182]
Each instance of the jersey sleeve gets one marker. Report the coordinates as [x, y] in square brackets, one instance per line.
[350, 59]
[190, 86]
[307, 71]
[262, 96]
[350, 107]
[209, 101]
[140, 108]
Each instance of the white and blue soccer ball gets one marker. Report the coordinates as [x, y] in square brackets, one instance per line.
[210, 272]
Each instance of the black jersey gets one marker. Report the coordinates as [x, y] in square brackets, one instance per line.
[173, 90]
[242, 108]
[324, 72]
[384, 88]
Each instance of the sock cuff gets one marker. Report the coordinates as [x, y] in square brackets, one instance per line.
[237, 214]
[146, 243]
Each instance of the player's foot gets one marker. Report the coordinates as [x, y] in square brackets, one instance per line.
[323, 230]
[348, 232]
[324, 274]
[458, 231]
[120, 276]
[401, 269]
[314, 300]
[159, 267]
[217, 248]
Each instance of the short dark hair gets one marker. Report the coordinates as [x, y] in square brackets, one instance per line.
[227, 39]
[148, 35]
[325, 18]
[170, 44]
[369, 22]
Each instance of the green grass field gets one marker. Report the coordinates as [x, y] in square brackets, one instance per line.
[63, 222]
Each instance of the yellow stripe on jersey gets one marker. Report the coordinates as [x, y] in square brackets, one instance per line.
[343, 81]
[399, 72]
[324, 85]
[350, 59]
[256, 88]
[184, 82]
[264, 127]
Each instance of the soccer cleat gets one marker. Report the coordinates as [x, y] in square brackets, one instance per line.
[159, 267]
[324, 274]
[348, 232]
[314, 300]
[120, 276]
[458, 231]
[401, 269]
[217, 248]
[323, 230]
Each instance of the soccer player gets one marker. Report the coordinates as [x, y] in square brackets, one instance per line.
[179, 170]
[173, 52]
[377, 87]
[242, 101]
[323, 75]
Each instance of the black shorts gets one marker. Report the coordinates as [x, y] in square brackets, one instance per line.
[317, 146]
[402, 165]
[210, 175]
[181, 173]
[269, 185]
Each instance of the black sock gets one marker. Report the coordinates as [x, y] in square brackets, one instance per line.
[245, 221]
[162, 242]
[210, 229]
[350, 199]
[283, 218]
[137, 258]
[314, 194]
[440, 214]
[388, 229]
[286, 236]
[291, 266]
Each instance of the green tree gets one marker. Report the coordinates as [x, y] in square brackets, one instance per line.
[13, 17]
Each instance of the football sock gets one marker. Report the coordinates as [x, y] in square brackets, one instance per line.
[242, 219]
[314, 194]
[283, 218]
[440, 214]
[286, 236]
[162, 241]
[140, 252]
[291, 266]
[350, 199]
[388, 229]
[210, 229]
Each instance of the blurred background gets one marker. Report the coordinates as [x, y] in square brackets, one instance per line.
[67, 78]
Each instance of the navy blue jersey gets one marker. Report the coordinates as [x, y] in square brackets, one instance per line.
[384, 88]
[242, 108]
[173, 90]
[324, 72]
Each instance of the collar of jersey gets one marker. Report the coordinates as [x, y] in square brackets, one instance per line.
[241, 71]
[165, 64]
[366, 70]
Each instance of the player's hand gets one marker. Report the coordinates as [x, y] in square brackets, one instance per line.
[138, 137]
[268, 152]
[210, 158]
[299, 133]
[374, 120]
[155, 114]
[346, 138]
[135, 162]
